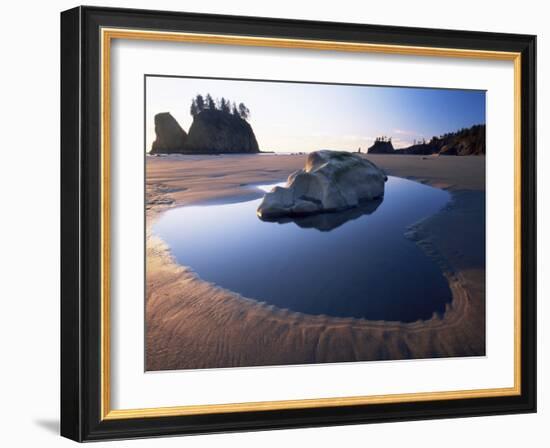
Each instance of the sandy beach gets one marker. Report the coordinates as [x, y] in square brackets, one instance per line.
[191, 323]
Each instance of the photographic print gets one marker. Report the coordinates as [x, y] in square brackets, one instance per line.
[272, 224]
[294, 223]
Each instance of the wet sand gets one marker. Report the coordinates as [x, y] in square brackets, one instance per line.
[191, 323]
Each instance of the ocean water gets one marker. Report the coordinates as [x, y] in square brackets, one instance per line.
[357, 263]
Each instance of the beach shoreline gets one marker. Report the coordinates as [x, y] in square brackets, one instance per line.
[191, 323]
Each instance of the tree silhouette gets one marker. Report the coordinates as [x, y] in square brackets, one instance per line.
[200, 103]
[224, 105]
[194, 109]
[244, 112]
[210, 103]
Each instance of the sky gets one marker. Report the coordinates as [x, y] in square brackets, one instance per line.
[304, 117]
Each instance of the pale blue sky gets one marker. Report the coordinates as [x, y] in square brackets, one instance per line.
[292, 117]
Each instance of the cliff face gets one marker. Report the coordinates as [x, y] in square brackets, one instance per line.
[464, 143]
[170, 137]
[381, 147]
[217, 132]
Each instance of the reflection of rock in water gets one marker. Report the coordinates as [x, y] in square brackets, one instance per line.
[326, 222]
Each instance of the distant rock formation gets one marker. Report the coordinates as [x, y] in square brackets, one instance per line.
[381, 147]
[219, 132]
[331, 181]
[170, 137]
[465, 142]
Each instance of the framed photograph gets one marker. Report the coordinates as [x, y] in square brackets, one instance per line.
[272, 224]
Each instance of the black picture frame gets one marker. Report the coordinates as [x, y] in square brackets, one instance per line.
[81, 224]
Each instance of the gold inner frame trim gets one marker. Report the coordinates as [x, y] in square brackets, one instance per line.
[107, 35]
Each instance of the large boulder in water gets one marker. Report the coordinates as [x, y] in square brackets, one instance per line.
[331, 181]
[219, 132]
[170, 137]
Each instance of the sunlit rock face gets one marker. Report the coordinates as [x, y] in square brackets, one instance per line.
[331, 181]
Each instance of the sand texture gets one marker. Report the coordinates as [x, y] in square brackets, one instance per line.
[191, 323]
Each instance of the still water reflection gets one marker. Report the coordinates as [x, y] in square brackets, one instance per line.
[356, 263]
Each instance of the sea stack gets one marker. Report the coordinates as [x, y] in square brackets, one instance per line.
[381, 147]
[219, 132]
[170, 137]
[331, 181]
